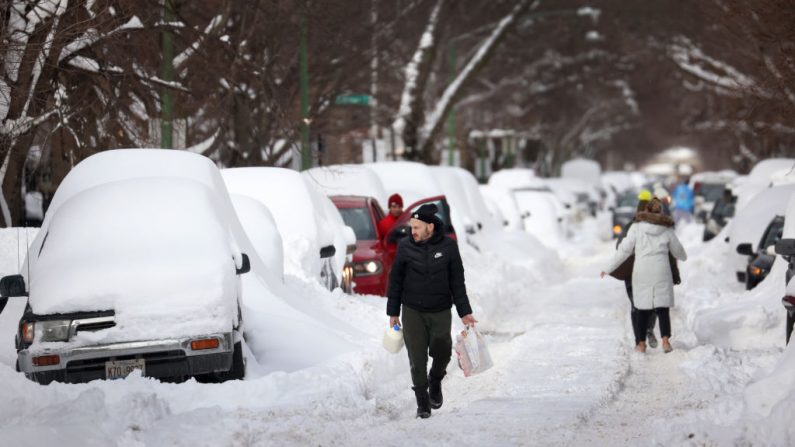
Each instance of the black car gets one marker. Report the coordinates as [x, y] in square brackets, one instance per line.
[786, 249]
[624, 213]
[721, 213]
[761, 261]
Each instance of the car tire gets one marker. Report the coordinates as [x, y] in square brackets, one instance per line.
[238, 371]
[788, 327]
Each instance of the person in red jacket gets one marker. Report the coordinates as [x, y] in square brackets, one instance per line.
[395, 210]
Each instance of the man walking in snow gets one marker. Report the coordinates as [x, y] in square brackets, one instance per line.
[426, 279]
[395, 210]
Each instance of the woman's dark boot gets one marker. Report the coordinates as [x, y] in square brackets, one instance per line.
[435, 391]
[423, 402]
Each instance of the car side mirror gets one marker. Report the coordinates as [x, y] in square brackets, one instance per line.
[398, 233]
[785, 247]
[245, 266]
[12, 285]
[745, 249]
[328, 251]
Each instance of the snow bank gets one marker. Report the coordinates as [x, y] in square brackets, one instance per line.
[581, 169]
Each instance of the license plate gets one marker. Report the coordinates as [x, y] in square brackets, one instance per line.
[119, 369]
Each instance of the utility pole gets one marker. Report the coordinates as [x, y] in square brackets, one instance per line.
[303, 62]
[167, 69]
[374, 78]
[451, 113]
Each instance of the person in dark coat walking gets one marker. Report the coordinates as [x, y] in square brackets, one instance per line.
[426, 279]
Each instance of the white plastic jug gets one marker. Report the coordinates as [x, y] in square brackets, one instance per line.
[393, 339]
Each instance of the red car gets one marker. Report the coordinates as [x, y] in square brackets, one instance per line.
[375, 252]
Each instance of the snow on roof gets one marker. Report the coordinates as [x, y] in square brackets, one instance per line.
[516, 178]
[763, 170]
[355, 180]
[582, 169]
[413, 181]
[148, 249]
[121, 164]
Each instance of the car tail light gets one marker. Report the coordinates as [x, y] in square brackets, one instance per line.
[28, 331]
[46, 360]
[788, 302]
[205, 343]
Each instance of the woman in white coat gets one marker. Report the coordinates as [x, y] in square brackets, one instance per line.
[651, 239]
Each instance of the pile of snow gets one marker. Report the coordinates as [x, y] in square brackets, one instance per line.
[759, 179]
[588, 171]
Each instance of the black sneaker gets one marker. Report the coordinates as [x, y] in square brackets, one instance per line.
[652, 339]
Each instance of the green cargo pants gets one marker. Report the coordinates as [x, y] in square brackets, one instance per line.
[424, 333]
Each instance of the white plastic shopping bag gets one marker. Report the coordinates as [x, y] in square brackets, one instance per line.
[472, 352]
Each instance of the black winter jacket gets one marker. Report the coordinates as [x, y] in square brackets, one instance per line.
[427, 276]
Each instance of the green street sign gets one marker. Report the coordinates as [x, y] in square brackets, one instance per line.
[356, 100]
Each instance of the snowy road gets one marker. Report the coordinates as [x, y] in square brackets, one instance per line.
[565, 374]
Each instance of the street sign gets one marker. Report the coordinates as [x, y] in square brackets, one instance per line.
[356, 100]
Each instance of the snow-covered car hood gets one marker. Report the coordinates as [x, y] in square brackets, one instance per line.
[152, 250]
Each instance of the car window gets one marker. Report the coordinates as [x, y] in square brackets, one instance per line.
[773, 232]
[359, 219]
[711, 191]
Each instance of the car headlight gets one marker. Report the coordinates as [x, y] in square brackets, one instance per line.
[51, 330]
[367, 268]
[617, 229]
[755, 271]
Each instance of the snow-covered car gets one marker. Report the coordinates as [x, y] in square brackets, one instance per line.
[760, 260]
[785, 247]
[590, 173]
[720, 215]
[315, 239]
[750, 223]
[624, 212]
[759, 179]
[137, 267]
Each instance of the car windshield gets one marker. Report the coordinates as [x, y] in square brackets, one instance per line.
[359, 219]
[711, 191]
[628, 201]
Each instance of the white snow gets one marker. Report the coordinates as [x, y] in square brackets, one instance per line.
[347, 180]
[564, 374]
